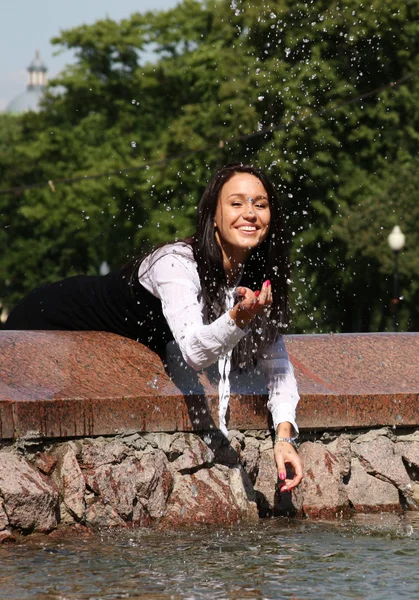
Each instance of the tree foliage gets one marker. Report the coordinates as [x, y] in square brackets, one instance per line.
[322, 95]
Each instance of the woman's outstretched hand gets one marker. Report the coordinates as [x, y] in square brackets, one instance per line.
[285, 454]
[251, 304]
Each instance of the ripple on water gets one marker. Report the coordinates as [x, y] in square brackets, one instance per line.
[366, 557]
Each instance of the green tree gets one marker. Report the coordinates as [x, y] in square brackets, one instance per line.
[306, 90]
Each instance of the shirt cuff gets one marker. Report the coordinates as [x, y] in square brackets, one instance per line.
[284, 412]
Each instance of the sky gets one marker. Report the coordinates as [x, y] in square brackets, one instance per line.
[28, 25]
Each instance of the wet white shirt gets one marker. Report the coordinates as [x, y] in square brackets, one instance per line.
[170, 273]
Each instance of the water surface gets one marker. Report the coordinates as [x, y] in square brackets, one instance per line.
[370, 557]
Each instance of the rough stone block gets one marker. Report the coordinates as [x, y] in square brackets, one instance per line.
[69, 480]
[266, 482]
[413, 436]
[45, 463]
[30, 502]
[189, 452]
[100, 515]
[243, 492]
[159, 439]
[135, 484]
[250, 456]
[322, 492]
[154, 483]
[206, 497]
[341, 448]
[379, 458]
[6, 537]
[409, 451]
[373, 434]
[97, 452]
[4, 521]
[116, 485]
[369, 494]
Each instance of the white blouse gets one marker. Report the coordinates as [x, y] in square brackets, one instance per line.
[170, 273]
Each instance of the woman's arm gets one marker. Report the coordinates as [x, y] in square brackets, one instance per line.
[172, 277]
[283, 400]
[281, 383]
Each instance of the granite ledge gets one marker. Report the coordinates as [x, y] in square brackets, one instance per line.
[59, 384]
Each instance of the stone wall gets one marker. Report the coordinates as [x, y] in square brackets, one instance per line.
[179, 479]
[94, 434]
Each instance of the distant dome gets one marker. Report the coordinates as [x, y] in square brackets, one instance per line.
[26, 101]
[30, 99]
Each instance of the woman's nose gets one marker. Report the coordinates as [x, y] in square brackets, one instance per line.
[249, 209]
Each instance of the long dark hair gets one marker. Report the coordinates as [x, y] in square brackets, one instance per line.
[267, 261]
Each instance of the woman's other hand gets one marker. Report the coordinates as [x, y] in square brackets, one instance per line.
[286, 454]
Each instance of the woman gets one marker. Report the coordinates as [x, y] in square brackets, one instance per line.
[193, 283]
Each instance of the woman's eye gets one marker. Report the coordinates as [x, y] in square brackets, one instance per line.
[261, 205]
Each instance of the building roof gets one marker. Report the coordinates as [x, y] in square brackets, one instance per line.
[25, 101]
[30, 99]
[37, 65]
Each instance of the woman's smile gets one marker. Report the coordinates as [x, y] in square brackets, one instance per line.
[248, 229]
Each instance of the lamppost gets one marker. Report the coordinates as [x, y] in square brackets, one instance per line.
[104, 268]
[396, 242]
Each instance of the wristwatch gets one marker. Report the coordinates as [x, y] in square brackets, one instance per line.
[290, 440]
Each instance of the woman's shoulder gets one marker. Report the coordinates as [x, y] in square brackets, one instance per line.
[177, 254]
[180, 249]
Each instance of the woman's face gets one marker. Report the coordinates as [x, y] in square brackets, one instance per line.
[243, 216]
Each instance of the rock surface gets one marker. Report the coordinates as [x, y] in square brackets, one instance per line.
[322, 492]
[409, 450]
[31, 504]
[350, 380]
[211, 496]
[4, 521]
[6, 536]
[189, 453]
[178, 479]
[369, 494]
[379, 458]
[266, 483]
[69, 480]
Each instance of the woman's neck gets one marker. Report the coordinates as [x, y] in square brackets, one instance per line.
[233, 265]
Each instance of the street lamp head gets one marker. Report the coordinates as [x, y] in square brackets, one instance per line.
[396, 239]
[104, 268]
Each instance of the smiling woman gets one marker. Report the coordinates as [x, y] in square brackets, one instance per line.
[220, 294]
[241, 223]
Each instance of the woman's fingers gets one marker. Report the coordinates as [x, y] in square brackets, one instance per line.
[248, 298]
[280, 465]
[298, 476]
[264, 296]
[286, 455]
[258, 301]
[242, 291]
